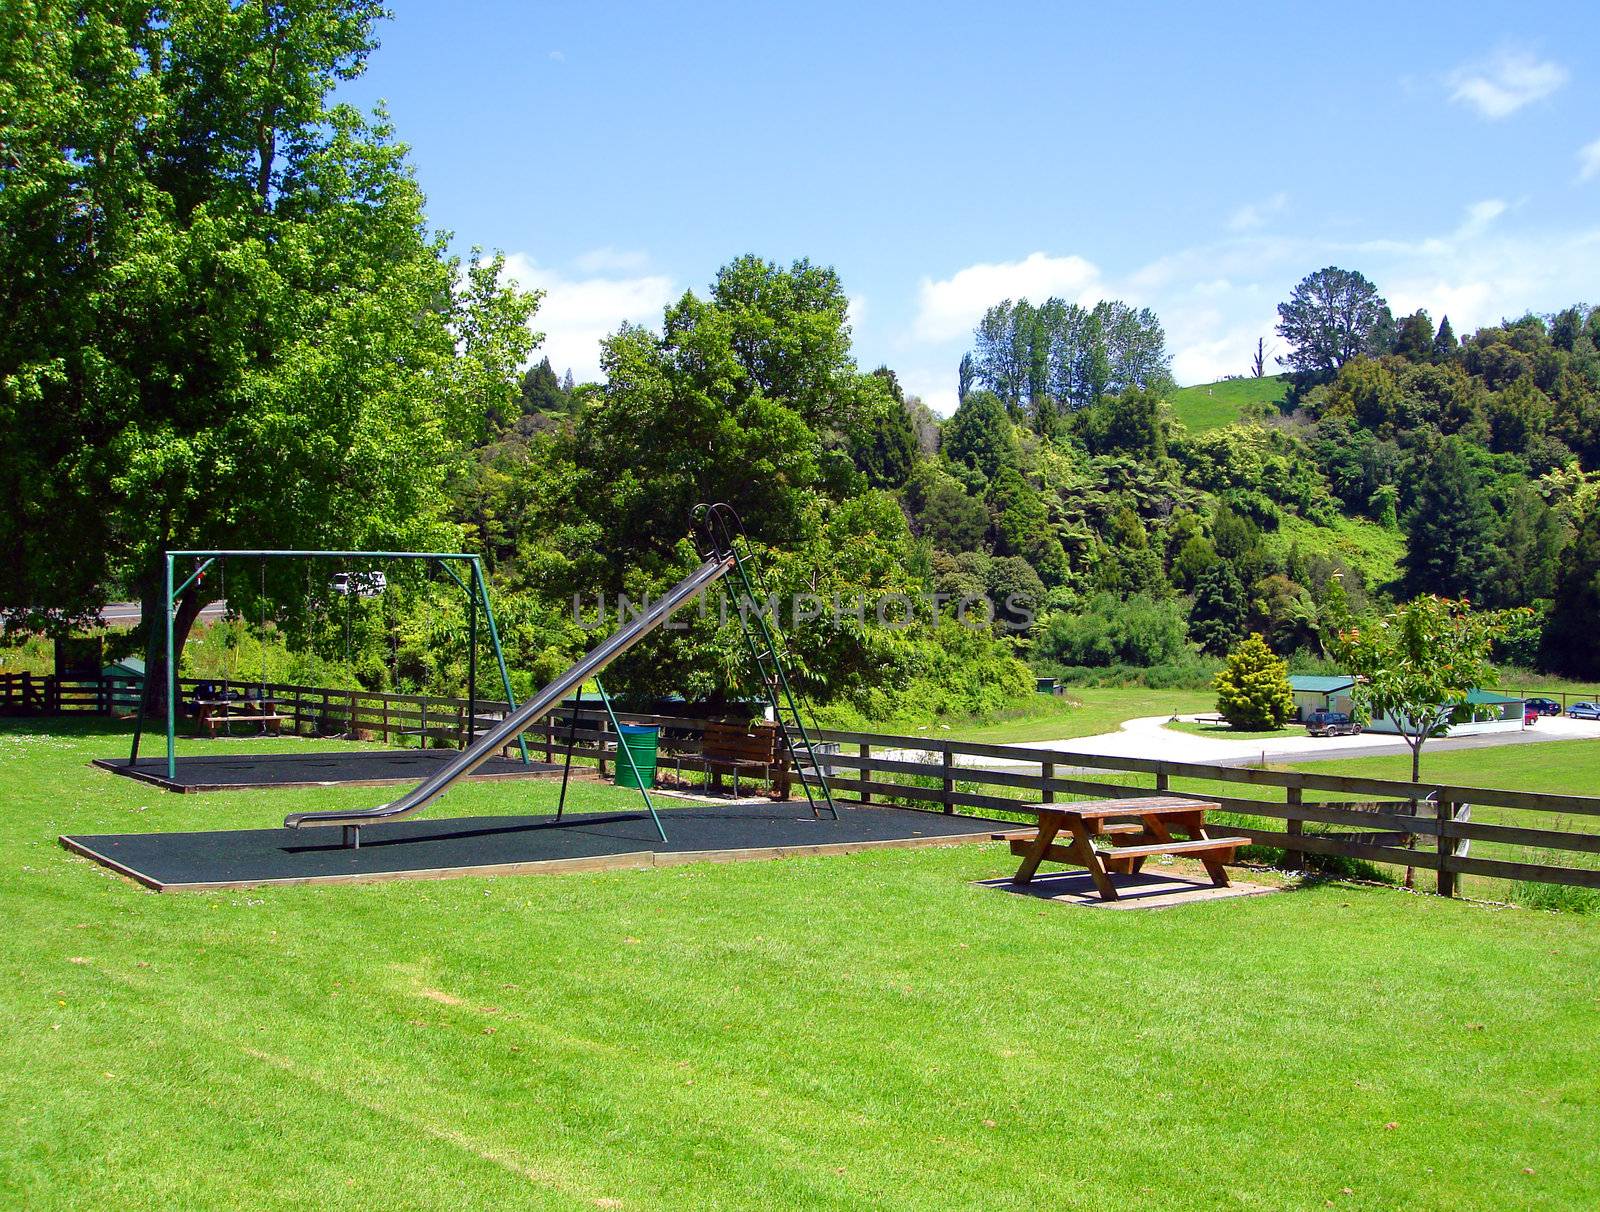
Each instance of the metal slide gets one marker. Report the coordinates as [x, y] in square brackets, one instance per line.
[525, 716]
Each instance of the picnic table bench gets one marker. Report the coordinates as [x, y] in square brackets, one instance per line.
[212, 713]
[755, 750]
[1136, 828]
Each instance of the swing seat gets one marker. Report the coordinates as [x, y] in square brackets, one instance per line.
[211, 716]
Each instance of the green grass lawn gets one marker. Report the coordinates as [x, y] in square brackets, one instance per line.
[1080, 711]
[1213, 405]
[857, 1032]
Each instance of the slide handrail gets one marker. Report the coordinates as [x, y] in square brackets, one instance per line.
[529, 713]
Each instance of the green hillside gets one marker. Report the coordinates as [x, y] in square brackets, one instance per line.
[1213, 405]
[1372, 550]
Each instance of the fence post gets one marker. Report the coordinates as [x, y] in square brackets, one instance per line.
[866, 771]
[603, 726]
[1047, 771]
[949, 777]
[1445, 847]
[1294, 860]
[1163, 780]
[549, 737]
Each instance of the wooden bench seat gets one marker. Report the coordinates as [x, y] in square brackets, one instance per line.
[754, 750]
[1212, 850]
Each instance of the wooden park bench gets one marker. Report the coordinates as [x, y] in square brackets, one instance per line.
[225, 712]
[754, 750]
[1146, 831]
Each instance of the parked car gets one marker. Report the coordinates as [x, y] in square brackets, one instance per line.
[1530, 715]
[1584, 711]
[1331, 723]
[1543, 706]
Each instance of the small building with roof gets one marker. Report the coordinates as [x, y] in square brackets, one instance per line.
[1320, 692]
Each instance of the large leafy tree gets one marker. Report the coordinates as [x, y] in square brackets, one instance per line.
[227, 323]
[744, 397]
[1331, 316]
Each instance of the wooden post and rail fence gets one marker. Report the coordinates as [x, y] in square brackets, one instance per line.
[1415, 826]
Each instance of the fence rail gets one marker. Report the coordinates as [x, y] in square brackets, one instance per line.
[1426, 826]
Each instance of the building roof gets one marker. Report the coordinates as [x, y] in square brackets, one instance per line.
[1318, 684]
[1484, 698]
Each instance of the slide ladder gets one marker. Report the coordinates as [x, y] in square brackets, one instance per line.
[725, 535]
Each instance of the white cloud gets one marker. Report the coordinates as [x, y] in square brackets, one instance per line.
[577, 312]
[1504, 83]
[557, 56]
[1255, 214]
[1479, 216]
[950, 307]
[1216, 299]
[1589, 160]
[855, 312]
[935, 388]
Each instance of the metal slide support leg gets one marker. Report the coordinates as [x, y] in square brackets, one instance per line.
[499, 656]
[472, 671]
[572, 737]
[624, 752]
[171, 672]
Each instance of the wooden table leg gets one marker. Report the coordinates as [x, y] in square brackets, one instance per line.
[1088, 856]
[1049, 826]
[1194, 823]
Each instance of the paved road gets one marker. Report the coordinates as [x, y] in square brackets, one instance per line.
[126, 614]
[1148, 737]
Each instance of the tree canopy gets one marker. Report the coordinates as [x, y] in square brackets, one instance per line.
[1332, 316]
[228, 321]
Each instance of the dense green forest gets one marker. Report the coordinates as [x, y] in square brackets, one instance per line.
[1398, 462]
[231, 325]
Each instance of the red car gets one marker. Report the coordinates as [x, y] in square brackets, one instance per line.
[1530, 716]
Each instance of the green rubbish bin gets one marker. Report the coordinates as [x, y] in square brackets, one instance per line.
[642, 741]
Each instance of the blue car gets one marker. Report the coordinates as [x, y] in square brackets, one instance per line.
[1584, 711]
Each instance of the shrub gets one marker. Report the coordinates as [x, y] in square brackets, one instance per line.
[1140, 630]
[1253, 687]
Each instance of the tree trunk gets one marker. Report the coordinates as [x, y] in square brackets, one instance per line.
[190, 603]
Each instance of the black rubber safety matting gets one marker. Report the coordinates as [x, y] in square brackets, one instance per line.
[312, 768]
[506, 845]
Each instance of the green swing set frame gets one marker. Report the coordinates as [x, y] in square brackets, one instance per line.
[475, 585]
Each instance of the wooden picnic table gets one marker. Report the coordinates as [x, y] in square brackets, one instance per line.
[1136, 828]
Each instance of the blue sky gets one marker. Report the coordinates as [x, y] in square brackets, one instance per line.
[942, 159]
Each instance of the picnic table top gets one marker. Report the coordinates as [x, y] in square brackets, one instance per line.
[1144, 805]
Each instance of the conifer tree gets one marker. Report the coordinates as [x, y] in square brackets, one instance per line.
[1253, 687]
